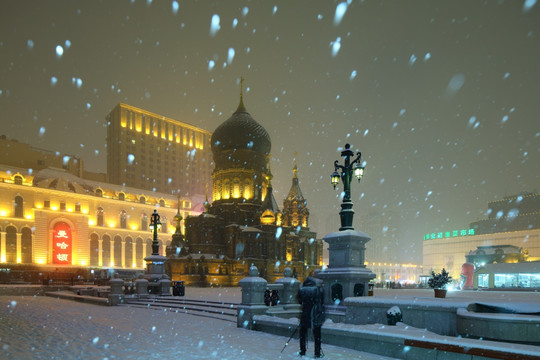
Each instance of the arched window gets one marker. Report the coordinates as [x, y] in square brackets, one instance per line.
[11, 244]
[217, 191]
[128, 250]
[18, 207]
[94, 250]
[106, 251]
[144, 222]
[121, 196]
[142, 200]
[248, 192]
[139, 252]
[163, 221]
[162, 203]
[236, 188]
[26, 245]
[123, 219]
[226, 190]
[18, 180]
[148, 247]
[117, 251]
[99, 192]
[99, 216]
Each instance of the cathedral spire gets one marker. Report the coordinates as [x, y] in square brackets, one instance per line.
[269, 176]
[295, 168]
[241, 107]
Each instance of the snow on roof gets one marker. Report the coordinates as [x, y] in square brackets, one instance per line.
[528, 267]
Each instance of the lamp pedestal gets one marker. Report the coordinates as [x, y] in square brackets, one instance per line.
[346, 275]
[159, 282]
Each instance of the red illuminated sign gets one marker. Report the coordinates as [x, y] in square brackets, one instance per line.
[62, 244]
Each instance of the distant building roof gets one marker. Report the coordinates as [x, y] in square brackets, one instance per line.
[528, 267]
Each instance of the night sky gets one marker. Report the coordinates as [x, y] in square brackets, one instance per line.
[441, 97]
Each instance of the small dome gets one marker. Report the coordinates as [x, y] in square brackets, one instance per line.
[241, 132]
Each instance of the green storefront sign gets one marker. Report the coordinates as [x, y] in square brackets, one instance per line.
[448, 234]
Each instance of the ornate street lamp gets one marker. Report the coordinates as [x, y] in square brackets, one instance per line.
[350, 168]
[154, 224]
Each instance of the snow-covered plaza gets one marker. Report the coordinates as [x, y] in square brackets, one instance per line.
[39, 327]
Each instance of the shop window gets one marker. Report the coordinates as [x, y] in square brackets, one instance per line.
[483, 280]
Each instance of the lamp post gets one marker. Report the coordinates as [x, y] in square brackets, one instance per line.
[154, 223]
[351, 167]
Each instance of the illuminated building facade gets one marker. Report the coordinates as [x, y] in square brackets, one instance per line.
[152, 152]
[244, 225]
[394, 272]
[512, 221]
[55, 220]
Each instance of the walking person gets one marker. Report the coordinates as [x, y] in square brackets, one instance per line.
[311, 297]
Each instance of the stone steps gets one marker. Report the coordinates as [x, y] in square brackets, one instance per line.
[212, 309]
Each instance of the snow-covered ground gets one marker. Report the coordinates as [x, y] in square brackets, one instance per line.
[47, 328]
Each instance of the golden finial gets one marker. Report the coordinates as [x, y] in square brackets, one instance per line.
[241, 107]
[241, 88]
[295, 168]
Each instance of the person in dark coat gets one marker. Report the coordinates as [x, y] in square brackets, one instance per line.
[311, 297]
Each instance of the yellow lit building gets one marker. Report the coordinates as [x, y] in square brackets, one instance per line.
[55, 219]
[153, 152]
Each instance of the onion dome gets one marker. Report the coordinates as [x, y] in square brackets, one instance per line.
[241, 132]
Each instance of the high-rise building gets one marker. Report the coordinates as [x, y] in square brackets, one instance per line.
[156, 153]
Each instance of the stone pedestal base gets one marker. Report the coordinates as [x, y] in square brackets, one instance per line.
[341, 283]
[346, 275]
[246, 313]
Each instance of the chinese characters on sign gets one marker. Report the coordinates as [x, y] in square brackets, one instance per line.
[62, 243]
[447, 234]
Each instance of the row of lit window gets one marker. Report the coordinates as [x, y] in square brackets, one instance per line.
[165, 131]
